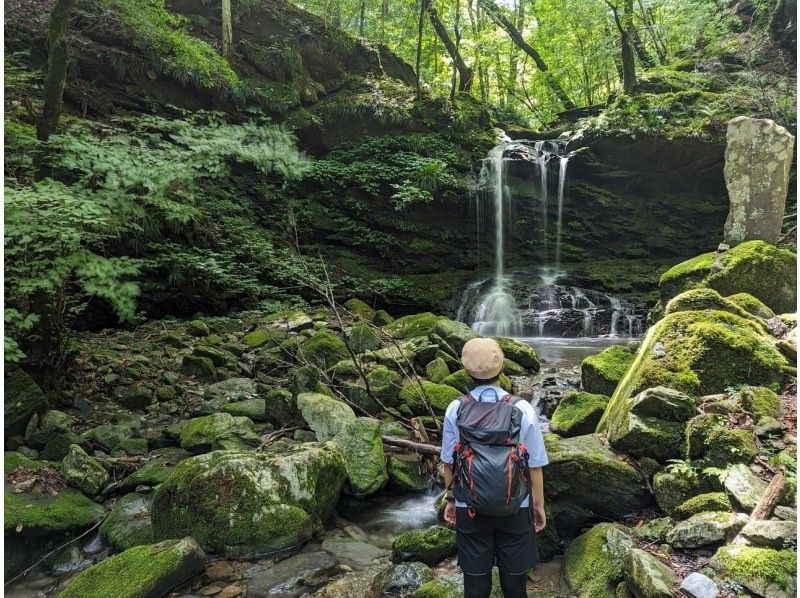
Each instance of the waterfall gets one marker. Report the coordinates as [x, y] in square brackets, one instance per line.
[562, 177]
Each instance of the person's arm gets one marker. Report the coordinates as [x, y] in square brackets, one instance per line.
[449, 439]
[448, 479]
[537, 482]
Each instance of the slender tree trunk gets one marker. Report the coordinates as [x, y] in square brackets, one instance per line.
[457, 33]
[421, 27]
[498, 17]
[384, 16]
[633, 35]
[474, 21]
[464, 71]
[628, 58]
[57, 57]
[362, 18]
[650, 26]
[227, 31]
[511, 85]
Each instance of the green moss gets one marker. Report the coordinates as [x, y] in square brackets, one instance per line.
[218, 431]
[128, 524]
[150, 570]
[362, 447]
[730, 445]
[704, 299]
[413, 325]
[407, 473]
[744, 564]
[439, 396]
[429, 545]
[578, 413]
[589, 569]
[519, 353]
[752, 305]
[363, 337]
[360, 309]
[437, 370]
[437, 588]
[324, 349]
[760, 401]
[701, 353]
[601, 373]
[755, 267]
[709, 501]
[462, 381]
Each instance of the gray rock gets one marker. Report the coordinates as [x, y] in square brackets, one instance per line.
[743, 486]
[255, 409]
[108, 436]
[83, 472]
[353, 552]
[218, 431]
[129, 522]
[325, 415]
[646, 576]
[775, 534]
[234, 389]
[22, 398]
[785, 513]
[402, 579]
[758, 158]
[135, 396]
[697, 585]
[291, 577]
[768, 426]
[41, 430]
[705, 529]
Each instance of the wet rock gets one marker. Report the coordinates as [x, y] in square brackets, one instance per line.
[578, 413]
[697, 585]
[291, 577]
[362, 447]
[601, 373]
[83, 472]
[218, 431]
[148, 571]
[326, 416]
[354, 553]
[407, 472]
[21, 400]
[743, 486]
[763, 571]
[758, 159]
[429, 545]
[647, 576]
[706, 529]
[772, 534]
[402, 579]
[247, 503]
[129, 523]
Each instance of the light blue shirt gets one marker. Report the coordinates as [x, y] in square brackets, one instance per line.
[530, 433]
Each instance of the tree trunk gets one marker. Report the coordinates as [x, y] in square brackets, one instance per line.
[628, 58]
[650, 26]
[227, 31]
[498, 17]
[475, 24]
[421, 27]
[464, 72]
[362, 18]
[633, 35]
[58, 54]
[426, 449]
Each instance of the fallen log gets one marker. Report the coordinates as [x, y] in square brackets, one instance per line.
[420, 447]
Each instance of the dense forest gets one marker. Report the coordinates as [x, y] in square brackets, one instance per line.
[246, 241]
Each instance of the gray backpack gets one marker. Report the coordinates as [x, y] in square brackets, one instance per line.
[490, 465]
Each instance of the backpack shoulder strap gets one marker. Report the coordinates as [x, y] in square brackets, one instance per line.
[512, 399]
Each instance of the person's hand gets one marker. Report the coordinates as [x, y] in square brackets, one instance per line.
[450, 513]
[539, 518]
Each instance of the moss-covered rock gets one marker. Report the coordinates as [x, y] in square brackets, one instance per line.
[674, 486]
[743, 486]
[462, 381]
[365, 462]
[706, 529]
[253, 409]
[654, 531]
[402, 579]
[148, 571]
[455, 334]
[593, 561]
[218, 431]
[324, 349]
[385, 384]
[584, 462]
[651, 424]
[730, 445]
[437, 370]
[199, 367]
[41, 513]
[439, 396]
[429, 545]
[360, 309]
[108, 436]
[43, 429]
[760, 401]
[21, 400]
[407, 473]
[755, 267]
[363, 337]
[646, 576]
[578, 413]
[280, 407]
[601, 373]
[246, 503]
[83, 472]
[155, 470]
[438, 588]
[703, 299]
[699, 353]
[519, 352]
[752, 305]
[708, 501]
[326, 416]
[764, 571]
[129, 523]
[413, 325]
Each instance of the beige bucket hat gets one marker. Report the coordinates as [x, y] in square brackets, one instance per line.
[482, 358]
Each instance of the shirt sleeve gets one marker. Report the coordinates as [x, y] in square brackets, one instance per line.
[531, 435]
[449, 433]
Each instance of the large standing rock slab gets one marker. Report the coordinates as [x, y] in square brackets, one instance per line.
[218, 431]
[593, 560]
[362, 447]
[648, 577]
[246, 503]
[757, 163]
[148, 571]
[22, 398]
[326, 416]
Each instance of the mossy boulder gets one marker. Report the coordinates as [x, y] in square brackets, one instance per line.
[730, 445]
[462, 381]
[218, 431]
[365, 462]
[760, 401]
[654, 531]
[407, 473]
[22, 399]
[414, 325]
[363, 337]
[578, 413]
[437, 370]
[326, 416]
[429, 545]
[253, 409]
[455, 334]
[703, 299]
[647, 576]
[83, 472]
[41, 430]
[706, 529]
[674, 486]
[708, 501]
[233, 390]
[651, 424]
[244, 504]
[155, 470]
[752, 305]
[129, 522]
[584, 462]
[360, 309]
[755, 267]
[763, 571]
[201, 368]
[108, 436]
[743, 486]
[439, 396]
[519, 352]
[402, 579]
[699, 353]
[41, 513]
[593, 560]
[148, 571]
[601, 373]
[324, 349]
[280, 407]
[385, 384]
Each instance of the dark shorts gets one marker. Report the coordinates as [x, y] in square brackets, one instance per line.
[507, 541]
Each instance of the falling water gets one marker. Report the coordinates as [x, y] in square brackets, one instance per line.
[562, 177]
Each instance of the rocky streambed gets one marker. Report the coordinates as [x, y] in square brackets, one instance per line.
[246, 455]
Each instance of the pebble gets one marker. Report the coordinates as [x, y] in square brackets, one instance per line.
[697, 585]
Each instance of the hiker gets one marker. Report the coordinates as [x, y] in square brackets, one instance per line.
[493, 452]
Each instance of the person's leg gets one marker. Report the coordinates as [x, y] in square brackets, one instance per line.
[515, 546]
[513, 585]
[477, 586]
